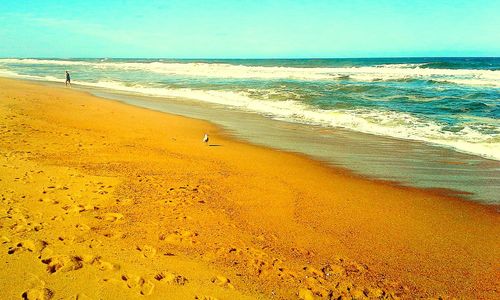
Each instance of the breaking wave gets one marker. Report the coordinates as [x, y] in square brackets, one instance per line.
[385, 72]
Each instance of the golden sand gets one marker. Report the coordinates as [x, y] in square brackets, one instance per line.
[100, 200]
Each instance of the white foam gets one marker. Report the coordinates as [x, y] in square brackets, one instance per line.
[220, 70]
[11, 74]
[32, 61]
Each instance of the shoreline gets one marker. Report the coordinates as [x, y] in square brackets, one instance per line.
[286, 212]
[424, 165]
[453, 167]
[451, 194]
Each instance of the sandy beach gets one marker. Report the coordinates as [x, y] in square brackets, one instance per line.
[101, 200]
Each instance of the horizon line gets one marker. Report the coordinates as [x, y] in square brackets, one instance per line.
[239, 58]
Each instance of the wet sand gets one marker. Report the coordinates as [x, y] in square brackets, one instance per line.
[102, 200]
[407, 162]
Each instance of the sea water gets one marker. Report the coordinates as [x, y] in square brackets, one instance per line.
[450, 104]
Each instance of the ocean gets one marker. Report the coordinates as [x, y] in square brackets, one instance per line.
[450, 104]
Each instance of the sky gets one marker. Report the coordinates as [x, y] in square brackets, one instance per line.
[249, 29]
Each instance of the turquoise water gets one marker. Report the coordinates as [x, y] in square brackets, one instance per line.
[445, 102]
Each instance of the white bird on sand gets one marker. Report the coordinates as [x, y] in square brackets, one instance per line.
[205, 138]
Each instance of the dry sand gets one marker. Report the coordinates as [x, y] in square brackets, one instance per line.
[100, 200]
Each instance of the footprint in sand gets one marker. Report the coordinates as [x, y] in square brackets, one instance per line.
[113, 217]
[75, 209]
[180, 237]
[183, 195]
[82, 227]
[333, 270]
[28, 245]
[45, 253]
[171, 278]
[147, 251]
[318, 282]
[315, 273]
[222, 282]
[38, 293]
[138, 283]
[256, 261]
[36, 226]
[100, 192]
[48, 200]
[35, 288]
[22, 225]
[4, 239]
[63, 263]
[58, 218]
[99, 263]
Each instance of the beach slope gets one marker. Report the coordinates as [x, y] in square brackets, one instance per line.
[100, 200]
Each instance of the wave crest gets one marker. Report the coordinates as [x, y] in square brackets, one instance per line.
[387, 72]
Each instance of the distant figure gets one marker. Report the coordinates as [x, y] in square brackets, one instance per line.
[68, 79]
[205, 138]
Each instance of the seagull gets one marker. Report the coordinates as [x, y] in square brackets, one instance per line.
[205, 138]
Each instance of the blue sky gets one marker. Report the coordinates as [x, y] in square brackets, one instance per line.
[249, 29]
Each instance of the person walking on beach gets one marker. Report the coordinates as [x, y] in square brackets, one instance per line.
[68, 79]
